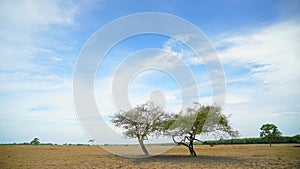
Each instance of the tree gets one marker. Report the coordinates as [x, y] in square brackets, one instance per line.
[198, 120]
[269, 132]
[35, 141]
[91, 141]
[140, 122]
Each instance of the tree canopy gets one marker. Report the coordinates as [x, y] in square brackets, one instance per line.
[269, 132]
[197, 120]
[35, 141]
[140, 122]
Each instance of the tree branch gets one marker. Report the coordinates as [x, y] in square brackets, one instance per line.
[182, 142]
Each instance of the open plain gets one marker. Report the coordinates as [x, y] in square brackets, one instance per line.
[219, 156]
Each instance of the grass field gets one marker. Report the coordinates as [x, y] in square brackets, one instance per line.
[220, 156]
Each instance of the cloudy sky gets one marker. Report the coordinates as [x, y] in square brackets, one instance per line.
[256, 42]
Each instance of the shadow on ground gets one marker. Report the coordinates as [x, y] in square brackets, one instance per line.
[188, 159]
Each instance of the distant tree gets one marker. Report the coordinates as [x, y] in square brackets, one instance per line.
[35, 141]
[269, 132]
[295, 139]
[91, 141]
[140, 122]
[198, 120]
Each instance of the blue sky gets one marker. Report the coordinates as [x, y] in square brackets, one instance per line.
[257, 43]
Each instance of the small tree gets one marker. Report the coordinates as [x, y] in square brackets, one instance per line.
[140, 122]
[91, 141]
[35, 141]
[269, 132]
[198, 120]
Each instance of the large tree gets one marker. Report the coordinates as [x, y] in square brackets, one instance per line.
[269, 132]
[197, 120]
[140, 122]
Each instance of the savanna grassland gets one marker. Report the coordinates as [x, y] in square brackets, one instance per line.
[220, 156]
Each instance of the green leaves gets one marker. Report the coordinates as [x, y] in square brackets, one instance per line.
[35, 141]
[141, 121]
[202, 119]
[269, 131]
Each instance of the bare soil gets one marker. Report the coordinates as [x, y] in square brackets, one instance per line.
[220, 156]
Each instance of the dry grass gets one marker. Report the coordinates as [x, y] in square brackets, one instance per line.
[221, 156]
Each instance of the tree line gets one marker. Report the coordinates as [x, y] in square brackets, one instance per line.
[255, 140]
[260, 140]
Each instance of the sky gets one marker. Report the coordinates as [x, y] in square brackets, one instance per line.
[257, 43]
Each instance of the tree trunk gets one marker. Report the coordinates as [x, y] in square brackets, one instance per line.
[141, 141]
[191, 148]
[192, 152]
[190, 145]
[270, 143]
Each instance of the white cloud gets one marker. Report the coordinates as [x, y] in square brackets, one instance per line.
[30, 72]
[37, 13]
[294, 114]
[58, 59]
[24, 28]
[271, 55]
[270, 84]
[236, 99]
[276, 46]
[45, 112]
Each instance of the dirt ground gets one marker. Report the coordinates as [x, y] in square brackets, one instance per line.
[220, 156]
